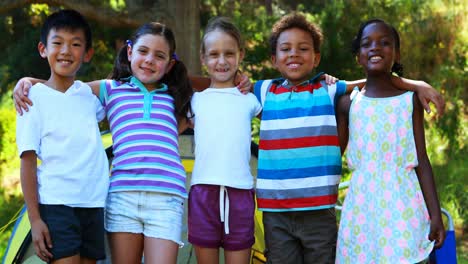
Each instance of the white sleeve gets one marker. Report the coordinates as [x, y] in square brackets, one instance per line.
[257, 107]
[100, 112]
[28, 130]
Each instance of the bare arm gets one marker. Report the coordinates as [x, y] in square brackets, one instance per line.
[39, 231]
[426, 93]
[22, 87]
[426, 178]
[183, 124]
[342, 120]
[21, 92]
[199, 83]
[351, 84]
[95, 86]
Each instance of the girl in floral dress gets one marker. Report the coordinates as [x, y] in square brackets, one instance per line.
[391, 213]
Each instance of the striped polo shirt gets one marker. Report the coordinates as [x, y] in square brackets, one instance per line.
[299, 160]
[145, 138]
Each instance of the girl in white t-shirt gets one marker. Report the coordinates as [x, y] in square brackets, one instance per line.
[221, 199]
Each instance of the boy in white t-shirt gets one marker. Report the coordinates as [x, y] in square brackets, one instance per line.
[66, 194]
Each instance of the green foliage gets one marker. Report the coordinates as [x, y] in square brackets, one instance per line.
[8, 152]
[10, 200]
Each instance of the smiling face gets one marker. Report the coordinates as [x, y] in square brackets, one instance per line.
[65, 52]
[295, 57]
[221, 57]
[150, 59]
[377, 52]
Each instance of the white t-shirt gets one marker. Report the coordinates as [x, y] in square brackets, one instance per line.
[62, 129]
[222, 137]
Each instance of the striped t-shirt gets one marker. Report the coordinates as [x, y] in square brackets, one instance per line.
[145, 138]
[299, 160]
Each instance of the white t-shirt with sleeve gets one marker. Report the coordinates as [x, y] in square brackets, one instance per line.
[62, 128]
[222, 137]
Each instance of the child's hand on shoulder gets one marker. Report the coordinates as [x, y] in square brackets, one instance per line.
[426, 93]
[20, 95]
[437, 233]
[329, 80]
[243, 83]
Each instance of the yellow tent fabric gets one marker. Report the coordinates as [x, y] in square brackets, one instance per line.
[19, 234]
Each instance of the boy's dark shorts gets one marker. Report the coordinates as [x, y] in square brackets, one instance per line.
[75, 230]
[300, 237]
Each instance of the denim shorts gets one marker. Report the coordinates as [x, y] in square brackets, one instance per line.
[228, 224]
[74, 230]
[153, 214]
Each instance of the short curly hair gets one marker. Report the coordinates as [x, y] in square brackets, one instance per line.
[295, 20]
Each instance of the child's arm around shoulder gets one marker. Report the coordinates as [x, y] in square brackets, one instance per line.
[39, 231]
[425, 176]
[242, 81]
[23, 86]
[95, 86]
[342, 120]
[188, 121]
[21, 92]
[426, 93]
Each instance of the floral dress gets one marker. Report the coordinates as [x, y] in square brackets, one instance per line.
[384, 217]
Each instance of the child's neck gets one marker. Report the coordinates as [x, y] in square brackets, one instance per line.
[152, 86]
[60, 84]
[222, 85]
[381, 86]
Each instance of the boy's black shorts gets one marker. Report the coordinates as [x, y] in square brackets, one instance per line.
[75, 230]
[300, 237]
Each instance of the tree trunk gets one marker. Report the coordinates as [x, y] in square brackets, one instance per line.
[185, 22]
[269, 7]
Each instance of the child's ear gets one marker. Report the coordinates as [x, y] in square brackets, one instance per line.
[129, 52]
[317, 59]
[171, 64]
[273, 60]
[42, 50]
[88, 55]
[241, 56]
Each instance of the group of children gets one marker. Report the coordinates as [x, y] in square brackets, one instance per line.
[149, 100]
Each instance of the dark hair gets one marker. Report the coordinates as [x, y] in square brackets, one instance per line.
[176, 79]
[66, 19]
[295, 20]
[356, 44]
[225, 25]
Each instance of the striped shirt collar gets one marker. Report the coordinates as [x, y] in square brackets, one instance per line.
[135, 82]
[287, 84]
